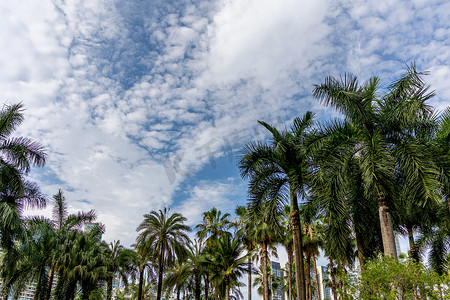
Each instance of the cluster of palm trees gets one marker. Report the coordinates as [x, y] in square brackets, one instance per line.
[345, 186]
[382, 168]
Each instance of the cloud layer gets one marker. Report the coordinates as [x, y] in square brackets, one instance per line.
[132, 98]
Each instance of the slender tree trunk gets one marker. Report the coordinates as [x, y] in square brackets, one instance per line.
[249, 278]
[216, 290]
[197, 279]
[412, 246]
[41, 283]
[178, 293]
[298, 247]
[227, 288]
[360, 247]
[290, 274]
[50, 282]
[387, 228]
[141, 283]
[415, 258]
[342, 279]
[333, 279]
[265, 274]
[160, 275]
[109, 289]
[317, 278]
[448, 202]
[206, 286]
[308, 277]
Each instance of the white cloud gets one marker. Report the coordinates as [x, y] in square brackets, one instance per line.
[113, 91]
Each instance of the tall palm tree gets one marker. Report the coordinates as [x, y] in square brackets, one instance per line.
[144, 265]
[17, 156]
[266, 232]
[213, 225]
[384, 137]
[12, 226]
[280, 170]
[63, 222]
[245, 228]
[33, 258]
[287, 242]
[166, 236]
[229, 260]
[121, 263]
[188, 272]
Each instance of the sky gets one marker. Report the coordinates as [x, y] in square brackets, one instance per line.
[146, 104]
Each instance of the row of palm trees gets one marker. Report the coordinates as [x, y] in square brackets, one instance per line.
[345, 186]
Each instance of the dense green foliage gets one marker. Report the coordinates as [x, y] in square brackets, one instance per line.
[345, 186]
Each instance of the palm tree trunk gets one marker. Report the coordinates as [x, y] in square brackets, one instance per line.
[227, 288]
[333, 279]
[249, 285]
[317, 278]
[360, 247]
[109, 289]
[290, 274]
[298, 247]
[265, 274]
[387, 228]
[216, 290]
[160, 275]
[448, 202]
[415, 257]
[412, 246]
[141, 283]
[344, 296]
[197, 279]
[40, 286]
[206, 286]
[308, 276]
[50, 282]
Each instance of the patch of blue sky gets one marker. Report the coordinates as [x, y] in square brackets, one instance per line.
[220, 170]
[46, 176]
[84, 201]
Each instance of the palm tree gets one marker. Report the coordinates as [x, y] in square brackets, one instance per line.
[121, 263]
[267, 231]
[441, 153]
[17, 155]
[213, 225]
[144, 258]
[245, 228]
[229, 261]
[287, 241]
[63, 222]
[383, 137]
[312, 240]
[281, 169]
[13, 201]
[189, 272]
[33, 258]
[166, 236]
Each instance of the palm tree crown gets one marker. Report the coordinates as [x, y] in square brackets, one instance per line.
[166, 235]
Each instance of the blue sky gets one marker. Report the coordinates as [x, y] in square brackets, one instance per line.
[145, 104]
